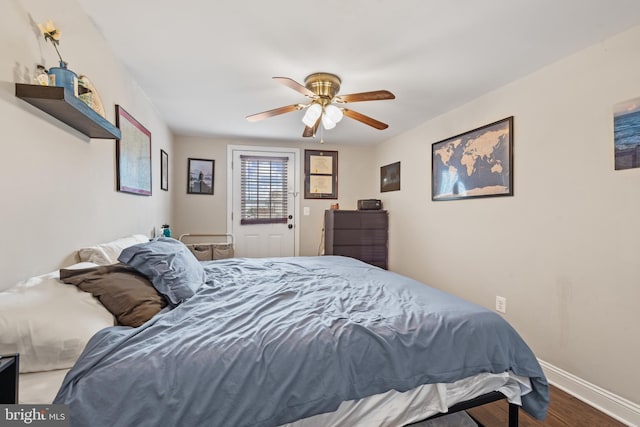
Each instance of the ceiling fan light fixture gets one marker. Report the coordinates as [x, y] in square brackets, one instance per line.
[322, 91]
[313, 113]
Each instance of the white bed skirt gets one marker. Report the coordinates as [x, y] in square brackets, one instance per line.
[392, 409]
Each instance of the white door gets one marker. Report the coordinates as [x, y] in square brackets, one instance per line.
[263, 201]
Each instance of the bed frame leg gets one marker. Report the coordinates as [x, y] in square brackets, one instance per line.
[513, 415]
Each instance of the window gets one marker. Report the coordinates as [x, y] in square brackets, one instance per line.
[263, 187]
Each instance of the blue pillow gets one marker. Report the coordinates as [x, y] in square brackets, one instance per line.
[169, 265]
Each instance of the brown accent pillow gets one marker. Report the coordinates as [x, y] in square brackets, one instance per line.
[127, 294]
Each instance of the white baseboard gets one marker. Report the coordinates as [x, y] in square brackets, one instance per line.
[611, 404]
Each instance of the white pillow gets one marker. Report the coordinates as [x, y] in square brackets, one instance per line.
[48, 322]
[108, 253]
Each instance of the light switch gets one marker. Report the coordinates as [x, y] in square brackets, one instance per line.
[306, 211]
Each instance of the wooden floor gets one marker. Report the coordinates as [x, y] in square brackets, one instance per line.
[564, 410]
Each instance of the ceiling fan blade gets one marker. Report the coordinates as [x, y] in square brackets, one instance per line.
[376, 95]
[296, 86]
[365, 119]
[311, 131]
[274, 112]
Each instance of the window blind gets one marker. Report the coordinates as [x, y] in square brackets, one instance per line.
[263, 186]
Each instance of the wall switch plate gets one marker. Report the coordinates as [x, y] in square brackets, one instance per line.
[501, 304]
[306, 211]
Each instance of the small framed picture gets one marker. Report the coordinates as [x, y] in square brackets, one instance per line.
[390, 177]
[164, 170]
[200, 176]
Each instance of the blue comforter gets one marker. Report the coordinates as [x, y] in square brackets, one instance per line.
[270, 341]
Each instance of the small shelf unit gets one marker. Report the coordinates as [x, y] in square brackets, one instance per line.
[69, 109]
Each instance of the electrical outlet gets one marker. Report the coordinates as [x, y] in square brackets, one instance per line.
[501, 304]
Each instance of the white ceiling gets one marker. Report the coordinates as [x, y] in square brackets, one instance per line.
[206, 65]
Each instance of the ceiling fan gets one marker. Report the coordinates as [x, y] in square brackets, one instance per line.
[322, 89]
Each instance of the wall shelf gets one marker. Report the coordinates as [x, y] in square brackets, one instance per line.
[67, 108]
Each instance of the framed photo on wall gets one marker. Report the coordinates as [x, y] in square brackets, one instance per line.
[477, 163]
[200, 176]
[626, 134]
[320, 174]
[133, 155]
[390, 177]
[164, 170]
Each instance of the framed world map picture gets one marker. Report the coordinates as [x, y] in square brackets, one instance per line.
[478, 163]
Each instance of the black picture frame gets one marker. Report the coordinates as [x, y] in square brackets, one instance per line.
[320, 174]
[200, 176]
[390, 177]
[133, 155]
[473, 164]
[164, 170]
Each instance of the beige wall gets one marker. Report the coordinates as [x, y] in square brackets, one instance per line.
[564, 250]
[58, 186]
[357, 179]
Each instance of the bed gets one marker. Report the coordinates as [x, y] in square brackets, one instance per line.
[304, 341]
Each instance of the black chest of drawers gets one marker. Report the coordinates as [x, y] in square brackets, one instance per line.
[362, 235]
